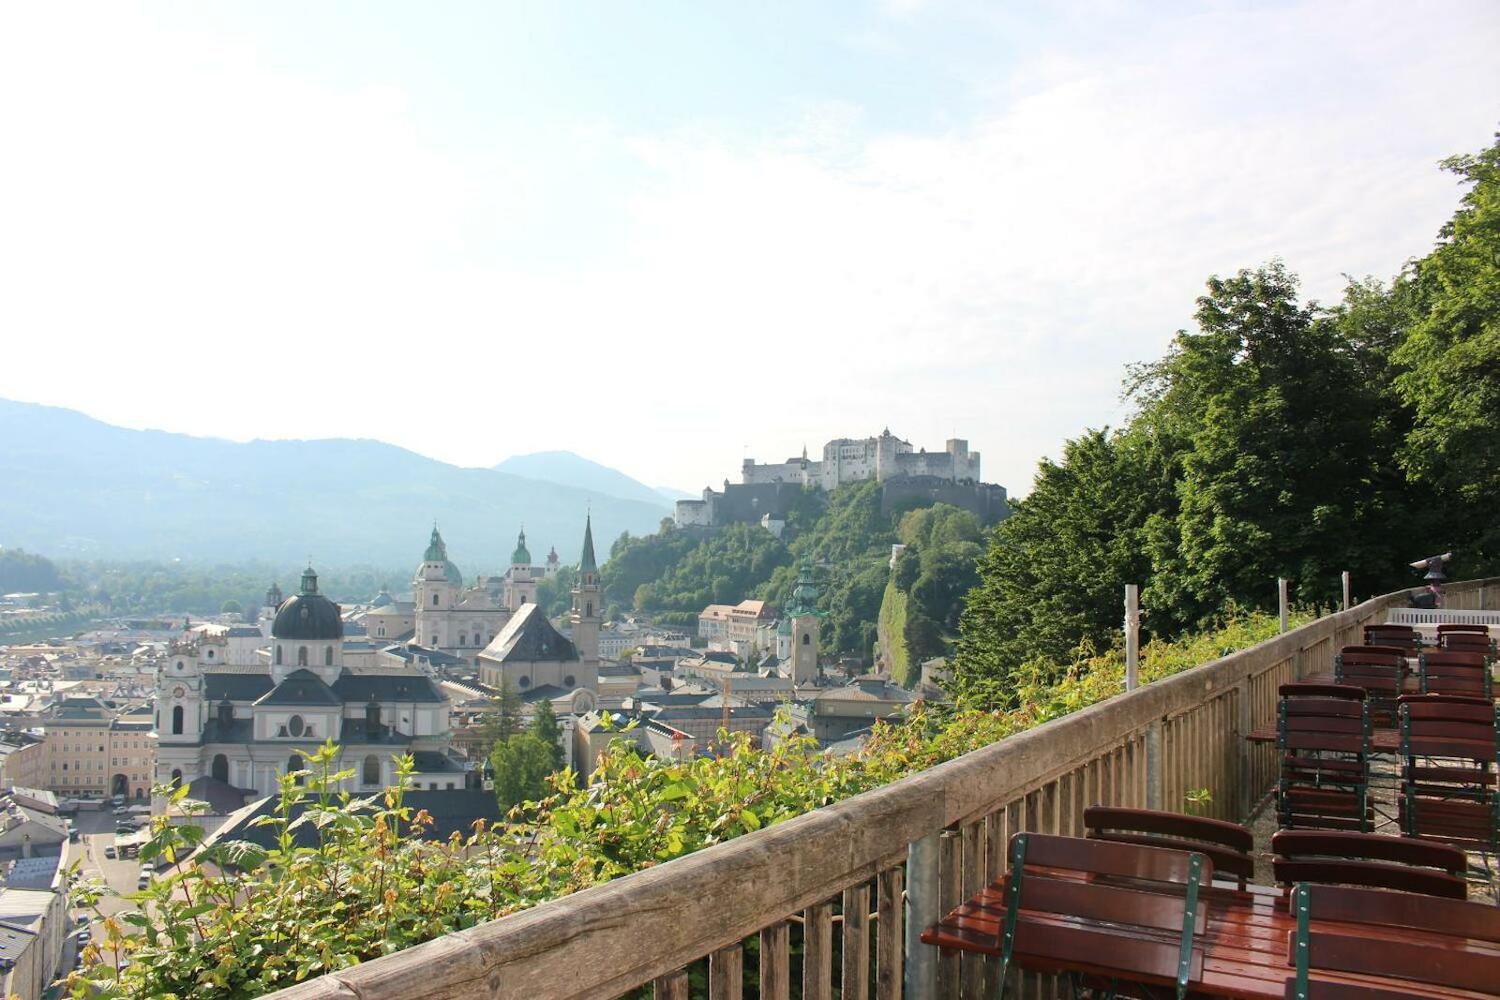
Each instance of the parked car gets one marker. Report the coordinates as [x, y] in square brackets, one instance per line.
[109, 852]
[119, 811]
[82, 937]
[143, 881]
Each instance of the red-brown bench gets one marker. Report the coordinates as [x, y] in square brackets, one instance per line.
[1227, 845]
[1367, 859]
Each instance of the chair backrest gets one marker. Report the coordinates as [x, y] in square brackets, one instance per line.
[1380, 670]
[1368, 859]
[1403, 636]
[1310, 689]
[1337, 724]
[1468, 642]
[1122, 887]
[1227, 845]
[1438, 947]
[1450, 727]
[1449, 627]
[1455, 672]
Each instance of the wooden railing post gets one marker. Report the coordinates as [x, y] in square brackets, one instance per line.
[1132, 636]
[1153, 765]
[1281, 601]
[1244, 716]
[1345, 576]
[921, 912]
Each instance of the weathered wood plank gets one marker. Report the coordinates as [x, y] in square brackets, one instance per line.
[775, 968]
[889, 945]
[672, 986]
[817, 952]
[950, 892]
[856, 951]
[726, 973]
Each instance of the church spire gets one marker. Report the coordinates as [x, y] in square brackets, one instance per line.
[587, 564]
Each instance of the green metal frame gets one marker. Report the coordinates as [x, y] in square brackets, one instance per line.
[1360, 788]
[1013, 908]
[1300, 906]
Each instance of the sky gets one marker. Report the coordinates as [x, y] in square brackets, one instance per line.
[669, 236]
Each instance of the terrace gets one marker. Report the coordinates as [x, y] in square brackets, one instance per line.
[860, 880]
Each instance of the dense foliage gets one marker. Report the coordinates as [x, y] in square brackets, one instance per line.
[234, 920]
[920, 610]
[27, 573]
[1279, 438]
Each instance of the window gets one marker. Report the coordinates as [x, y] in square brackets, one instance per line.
[328, 657]
[434, 600]
[372, 770]
[220, 768]
[210, 654]
[568, 681]
[294, 764]
[461, 638]
[524, 683]
[588, 609]
[176, 778]
[301, 656]
[278, 654]
[177, 720]
[296, 726]
[806, 639]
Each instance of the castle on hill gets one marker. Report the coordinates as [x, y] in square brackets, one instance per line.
[908, 475]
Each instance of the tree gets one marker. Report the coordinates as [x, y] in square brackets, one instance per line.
[230, 607]
[545, 728]
[1451, 366]
[502, 719]
[521, 765]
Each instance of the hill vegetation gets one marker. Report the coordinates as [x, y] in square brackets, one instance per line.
[1279, 438]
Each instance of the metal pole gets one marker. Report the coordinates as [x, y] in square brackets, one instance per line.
[1281, 600]
[1347, 602]
[1132, 636]
[922, 911]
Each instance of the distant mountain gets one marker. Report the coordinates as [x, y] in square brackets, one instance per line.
[568, 469]
[672, 495]
[73, 487]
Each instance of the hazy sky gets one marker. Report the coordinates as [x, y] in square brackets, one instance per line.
[670, 235]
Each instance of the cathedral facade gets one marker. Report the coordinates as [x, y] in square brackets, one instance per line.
[242, 725]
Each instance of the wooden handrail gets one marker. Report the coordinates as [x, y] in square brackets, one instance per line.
[613, 938]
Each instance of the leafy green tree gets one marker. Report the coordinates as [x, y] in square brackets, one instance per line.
[230, 607]
[1451, 366]
[521, 765]
[503, 718]
[545, 728]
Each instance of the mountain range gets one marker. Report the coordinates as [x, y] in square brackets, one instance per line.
[75, 487]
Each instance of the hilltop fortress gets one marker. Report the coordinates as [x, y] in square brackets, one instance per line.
[948, 476]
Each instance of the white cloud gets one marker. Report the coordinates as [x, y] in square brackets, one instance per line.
[195, 241]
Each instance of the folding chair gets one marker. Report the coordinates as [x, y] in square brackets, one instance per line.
[1371, 860]
[1401, 636]
[1227, 845]
[1324, 744]
[1380, 671]
[1455, 672]
[1450, 747]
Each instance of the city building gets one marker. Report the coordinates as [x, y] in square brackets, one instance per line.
[851, 460]
[23, 760]
[247, 725]
[735, 627]
[94, 751]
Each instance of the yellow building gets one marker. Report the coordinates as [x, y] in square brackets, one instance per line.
[93, 752]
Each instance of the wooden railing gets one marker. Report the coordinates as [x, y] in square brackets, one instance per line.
[840, 894]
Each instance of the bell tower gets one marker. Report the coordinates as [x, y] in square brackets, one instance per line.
[588, 611]
[806, 623]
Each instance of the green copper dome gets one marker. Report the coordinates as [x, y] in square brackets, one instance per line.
[805, 594]
[522, 556]
[437, 552]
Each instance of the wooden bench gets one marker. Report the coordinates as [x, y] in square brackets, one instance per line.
[1449, 627]
[1117, 911]
[1227, 845]
[1468, 642]
[1393, 935]
[1370, 860]
[1379, 670]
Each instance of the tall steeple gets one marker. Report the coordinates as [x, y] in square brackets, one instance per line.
[522, 555]
[588, 606]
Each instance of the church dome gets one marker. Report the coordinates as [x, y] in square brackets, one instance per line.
[437, 552]
[308, 615]
[522, 555]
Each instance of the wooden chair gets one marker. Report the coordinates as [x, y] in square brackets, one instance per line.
[1400, 636]
[1437, 942]
[1455, 672]
[1450, 748]
[1468, 642]
[1325, 764]
[1380, 671]
[1115, 911]
[1371, 860]
[1227, 845]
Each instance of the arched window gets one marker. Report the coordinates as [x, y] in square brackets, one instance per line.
[210, 654]
[294, 764]
[220, 768]
[588, 609]
[461, 638]
[372, 770]
[301, 656]
[434, 600]
[328, 657]
[296, 726]
[176, 778]
[278, 654]
[177, 720]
